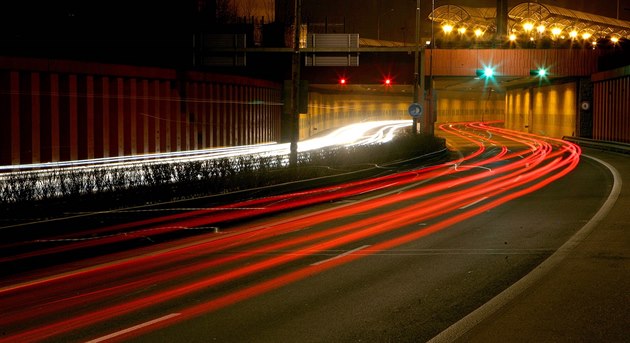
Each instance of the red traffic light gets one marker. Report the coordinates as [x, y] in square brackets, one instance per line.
[388, 82]
[342, 81]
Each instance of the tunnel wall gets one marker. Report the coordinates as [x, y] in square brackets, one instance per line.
[327, 110]
[469, 106]
[611, 105]
[548, 110]
[52, 110]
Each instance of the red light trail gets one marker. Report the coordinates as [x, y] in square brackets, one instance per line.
[497, 166]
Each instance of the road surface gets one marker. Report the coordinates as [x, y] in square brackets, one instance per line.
[399, 258]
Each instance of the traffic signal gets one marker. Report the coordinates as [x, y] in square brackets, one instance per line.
[343, 81]
[387, 82]
[540, 72]
[486, 72]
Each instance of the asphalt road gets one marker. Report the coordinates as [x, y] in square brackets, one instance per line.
[400, 261]
[413, 292]
[580, 294]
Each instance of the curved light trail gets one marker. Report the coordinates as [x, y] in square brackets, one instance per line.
[496, 166]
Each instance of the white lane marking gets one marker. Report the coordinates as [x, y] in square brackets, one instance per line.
[133, 328]
[482, 313]
[473, 203]
[339, 256]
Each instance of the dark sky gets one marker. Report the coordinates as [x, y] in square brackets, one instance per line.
[118, 31]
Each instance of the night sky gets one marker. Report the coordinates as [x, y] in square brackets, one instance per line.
[134, 31]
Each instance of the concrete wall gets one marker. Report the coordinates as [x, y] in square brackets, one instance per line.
[546, 110]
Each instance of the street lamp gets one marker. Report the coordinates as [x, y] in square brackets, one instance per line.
[418, 77]
[295, 88]
[447, 28]
[556, 31]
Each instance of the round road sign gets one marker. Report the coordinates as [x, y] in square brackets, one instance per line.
[415, 110]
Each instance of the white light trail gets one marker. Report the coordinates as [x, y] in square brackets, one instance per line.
[374, 132]
[365, 133]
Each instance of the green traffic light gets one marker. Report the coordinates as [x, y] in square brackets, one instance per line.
[488, 72]
[540, 72]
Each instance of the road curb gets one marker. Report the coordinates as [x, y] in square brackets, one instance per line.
[460, 328]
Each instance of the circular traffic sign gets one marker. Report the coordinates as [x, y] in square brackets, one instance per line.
[415, 110]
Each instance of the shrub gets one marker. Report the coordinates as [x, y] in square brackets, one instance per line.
[162, 181]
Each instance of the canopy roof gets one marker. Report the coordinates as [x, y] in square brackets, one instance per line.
[564, 18]
[537, 13]
[483, 18]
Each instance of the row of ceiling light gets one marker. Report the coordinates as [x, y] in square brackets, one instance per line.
[528, 28]
[531, 20]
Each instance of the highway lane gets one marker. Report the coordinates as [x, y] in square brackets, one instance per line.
[399, 260]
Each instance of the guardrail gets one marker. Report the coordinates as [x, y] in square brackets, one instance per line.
[597, 144]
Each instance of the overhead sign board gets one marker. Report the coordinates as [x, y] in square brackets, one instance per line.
[224, 41]
[334, 41]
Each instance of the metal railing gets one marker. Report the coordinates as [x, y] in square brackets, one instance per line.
[597, 144]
